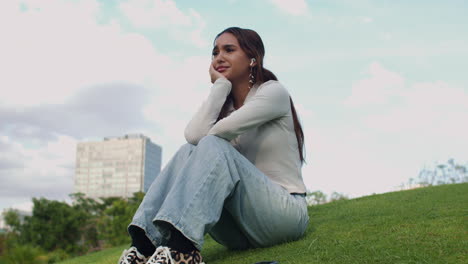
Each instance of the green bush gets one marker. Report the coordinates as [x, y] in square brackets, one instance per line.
[66, 230]
[25, 254]
[57, 256]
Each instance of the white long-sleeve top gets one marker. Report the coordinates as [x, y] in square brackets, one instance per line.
[262, 130]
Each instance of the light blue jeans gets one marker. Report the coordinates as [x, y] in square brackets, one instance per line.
[212, 188]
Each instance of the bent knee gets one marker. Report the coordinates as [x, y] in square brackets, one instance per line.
[212, 140]
[187, 147]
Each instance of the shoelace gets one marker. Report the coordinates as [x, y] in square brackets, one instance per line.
[163, 252]
[129, 257]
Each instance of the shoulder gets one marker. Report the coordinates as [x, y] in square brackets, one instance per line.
[272, 86]
[273, 89]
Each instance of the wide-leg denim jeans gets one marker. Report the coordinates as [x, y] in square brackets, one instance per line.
[212, 188]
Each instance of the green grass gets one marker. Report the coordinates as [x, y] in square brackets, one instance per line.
[427, 225]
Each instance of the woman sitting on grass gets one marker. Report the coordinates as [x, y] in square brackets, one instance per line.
[239, 177]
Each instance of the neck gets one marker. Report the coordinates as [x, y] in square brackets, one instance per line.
[239, 92]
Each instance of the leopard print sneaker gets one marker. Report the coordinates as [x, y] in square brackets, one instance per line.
[132, 256]
[165, 255]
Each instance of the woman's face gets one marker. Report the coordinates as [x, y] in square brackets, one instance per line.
[229, 59]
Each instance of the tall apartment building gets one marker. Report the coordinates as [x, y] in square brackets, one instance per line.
[117, 166]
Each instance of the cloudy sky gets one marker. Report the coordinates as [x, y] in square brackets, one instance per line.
[381, 86]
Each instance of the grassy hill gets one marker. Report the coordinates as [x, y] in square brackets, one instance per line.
[427, 225]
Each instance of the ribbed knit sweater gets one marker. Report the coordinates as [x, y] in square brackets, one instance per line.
[262, 130]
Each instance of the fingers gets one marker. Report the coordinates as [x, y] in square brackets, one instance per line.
[212, 68]
[214, 74]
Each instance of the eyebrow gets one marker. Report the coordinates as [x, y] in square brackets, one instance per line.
[225, 46]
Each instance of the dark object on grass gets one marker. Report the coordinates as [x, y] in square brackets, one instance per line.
[268, 262]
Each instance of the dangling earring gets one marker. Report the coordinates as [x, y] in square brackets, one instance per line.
[251, 75]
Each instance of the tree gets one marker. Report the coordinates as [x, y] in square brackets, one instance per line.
[12, 220]
[64, 229]
[115, 219]
[25, 254]
[113, 224]
[317, 197]
[85, 204]
[336, 196]
[53, 225]
[442, 173]
[90, 210]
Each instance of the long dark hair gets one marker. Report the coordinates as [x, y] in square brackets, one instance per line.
[251, 43]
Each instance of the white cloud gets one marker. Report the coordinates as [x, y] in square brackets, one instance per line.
[433, 115]
[292, 7]
[154, 13]
[377, 89]
[25, 206]
[381, 146]
[359, 160]
[366, 19]
[57, 49]
[164, 14]
[78, 53]
[173, 106]
[385, 36]
[46, 171]
[406, 108]
[62, 49]
[346, 160]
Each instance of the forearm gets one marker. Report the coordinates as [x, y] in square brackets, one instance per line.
[207, 114]
[269, 103]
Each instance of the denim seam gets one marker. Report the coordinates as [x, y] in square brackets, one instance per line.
[149, 234]
[218, 158]
[176, 223]
[165, 219]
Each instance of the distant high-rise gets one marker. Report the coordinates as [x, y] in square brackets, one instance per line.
[117, 166]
